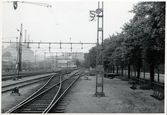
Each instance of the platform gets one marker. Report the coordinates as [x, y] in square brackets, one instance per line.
[119, 98]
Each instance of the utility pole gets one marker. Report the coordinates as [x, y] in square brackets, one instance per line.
[25, 36]
[44, 59]
[28, 38]
[36, 62]
[56, 61]
[16, 44]
[19, 56]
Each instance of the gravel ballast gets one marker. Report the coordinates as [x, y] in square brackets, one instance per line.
[119, 98]
[9, 100]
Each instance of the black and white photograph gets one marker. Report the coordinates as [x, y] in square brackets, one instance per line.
[83, 56]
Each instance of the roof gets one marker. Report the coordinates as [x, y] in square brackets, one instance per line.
[7, 54]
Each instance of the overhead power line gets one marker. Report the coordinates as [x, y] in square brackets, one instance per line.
[54, 20]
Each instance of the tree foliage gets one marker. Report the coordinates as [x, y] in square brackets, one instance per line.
[143, 38]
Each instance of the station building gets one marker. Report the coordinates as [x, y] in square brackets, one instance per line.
[9, 56]
[27, 53]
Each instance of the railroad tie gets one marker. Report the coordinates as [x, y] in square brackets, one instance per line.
[32, 111]
[59, 109]
[63, 103]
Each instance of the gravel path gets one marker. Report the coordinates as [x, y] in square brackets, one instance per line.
[119, 98]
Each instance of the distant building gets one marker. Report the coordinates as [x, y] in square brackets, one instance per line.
[66, 60]
[7, 57]
[27, 53]
[62, 61]
[7, 61]
[76, 55]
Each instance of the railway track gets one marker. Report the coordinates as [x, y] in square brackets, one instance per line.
[27, 74]
[45, 99]
[67, 84]
[10, 87]
[11, 76]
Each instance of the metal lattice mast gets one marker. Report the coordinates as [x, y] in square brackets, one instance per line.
[99, 50]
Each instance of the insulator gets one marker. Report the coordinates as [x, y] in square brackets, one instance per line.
[15, 5]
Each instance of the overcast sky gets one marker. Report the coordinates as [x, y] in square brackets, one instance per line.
[64, 20]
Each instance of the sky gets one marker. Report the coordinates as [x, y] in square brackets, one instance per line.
[64, 20]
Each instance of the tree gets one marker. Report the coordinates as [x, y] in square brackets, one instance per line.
[78, 63]
[86, 62]
[151, 18]
[143, 38]
[92, 57]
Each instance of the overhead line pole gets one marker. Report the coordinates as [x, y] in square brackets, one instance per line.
[19, 56]
[99, 53]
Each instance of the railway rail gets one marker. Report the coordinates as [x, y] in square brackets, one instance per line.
[67, 84]
[11, 76]
[45, 99]
[10, 87]
[27, 74]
